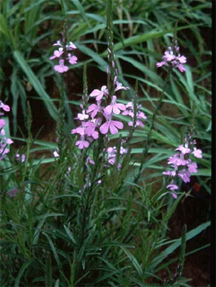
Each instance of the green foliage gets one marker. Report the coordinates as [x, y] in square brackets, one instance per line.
[64, 228]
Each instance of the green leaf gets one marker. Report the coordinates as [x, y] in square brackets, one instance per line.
[54, 251]
[183, 248]
[97, 58]
[134, 261]
[36, 84]
[21, 271]
[82, 11]
[69, 233]
[3, 25]
[148, 73]
[191, 234]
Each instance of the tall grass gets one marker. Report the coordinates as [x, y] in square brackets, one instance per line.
[55, 232]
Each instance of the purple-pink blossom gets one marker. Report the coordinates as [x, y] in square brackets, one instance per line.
[61, 55]
[72, 59]
[82, 116]
[82, 143]
[6, 108]
[182, 163]
[129, 111]
[111, 125]
[4, 142]
[99, 93]
[114, 107]
[56, 154]
[173, 59]
[172, 186]
[197, 153]
[61, 68]
[119, 86]
[90, 128]
[90, 160]
[13, 192]
[2, 123]
[94, 109]
[20, 157]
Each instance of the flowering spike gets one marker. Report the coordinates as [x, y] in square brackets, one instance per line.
[182, 164]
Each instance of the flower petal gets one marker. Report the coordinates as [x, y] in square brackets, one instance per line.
[118, 124]
[104, 128]
[108, 110]
[113, 129]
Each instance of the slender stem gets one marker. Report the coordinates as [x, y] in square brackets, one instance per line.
[147, 144]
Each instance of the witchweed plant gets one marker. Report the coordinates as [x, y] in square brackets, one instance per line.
[82, 222]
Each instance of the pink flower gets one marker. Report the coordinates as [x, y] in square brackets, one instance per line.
[8, 141]
[61, 68]
[119, 166]
[168, 56]
[55, 153]
[80, 130]
[123, 150]
[141, 115]
[111, 155]
[174, 195]
[57, 54]
[185, 175]
[94, 109]
[6, 108]
[138, 123]
[114, 107]
[99, 93]
[3, 151]
[119, 86]
[170, 172]
[160, 64]
[89, 160]
[20, 157]
[177, 160]
[182, 59]
[71, 46]
[181, 68]
[90, 129]
[172, 186]
[184, 149]
[82, 143]
[58, 43]
[173, 60]
[197, 152]
[130, 112]
[72, 59]
[112, 125]
[2, 123]
[82, 116]
[2, 132]
[12, 192]
[192, 167]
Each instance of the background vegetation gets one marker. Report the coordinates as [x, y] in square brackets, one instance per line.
[142, 31]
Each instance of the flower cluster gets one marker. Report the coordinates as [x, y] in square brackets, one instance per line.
[173, 58]
[20, 157]
[182, 164]
[4, 142]
[98, 118]
[139, 115]
[13, 192]
[61, 55]
[112, 154]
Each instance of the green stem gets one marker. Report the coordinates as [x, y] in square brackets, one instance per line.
[147, 144]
